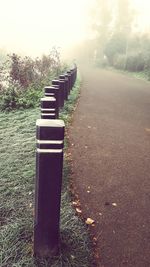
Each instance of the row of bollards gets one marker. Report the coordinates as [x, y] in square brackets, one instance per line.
[49, 165]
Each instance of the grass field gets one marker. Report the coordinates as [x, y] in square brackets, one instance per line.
[17, 179]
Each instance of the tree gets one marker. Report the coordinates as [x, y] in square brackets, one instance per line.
[112, 25]
[116, 45]
[124, 17]
[102, 23]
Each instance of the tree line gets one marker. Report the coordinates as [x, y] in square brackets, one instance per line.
[116, 40]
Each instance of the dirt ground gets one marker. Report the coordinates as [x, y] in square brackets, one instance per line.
[110, 147]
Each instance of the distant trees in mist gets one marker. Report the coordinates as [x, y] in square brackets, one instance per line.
[116, 41]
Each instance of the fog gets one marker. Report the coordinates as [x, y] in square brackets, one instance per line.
[32, 27]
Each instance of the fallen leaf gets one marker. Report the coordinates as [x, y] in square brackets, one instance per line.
[76, 203]
[114, 204]
[147, 130]
[78, 210]
[89, 221]
[72, 257]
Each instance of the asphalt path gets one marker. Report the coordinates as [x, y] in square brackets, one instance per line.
[110, 146]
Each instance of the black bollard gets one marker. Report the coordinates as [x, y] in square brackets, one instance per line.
[67, 82]
[69, 77]
[49, 165]
[73, 75]
[48, 108]
[53, 91]
[65, 79]
[61, 88]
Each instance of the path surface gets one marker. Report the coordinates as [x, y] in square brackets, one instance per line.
[110, 137]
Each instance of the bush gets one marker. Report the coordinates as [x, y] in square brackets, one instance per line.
[120, 61]
[135, 62]
[116, 45]
[147, 61]
[22, 79]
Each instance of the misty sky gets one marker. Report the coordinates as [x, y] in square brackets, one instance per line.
[33, 26]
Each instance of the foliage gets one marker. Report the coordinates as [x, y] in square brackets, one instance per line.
[119, 61]
[134, 62]
[116, 45]
[136, 58]
[22, 79]
[112, 25]
[114, 39]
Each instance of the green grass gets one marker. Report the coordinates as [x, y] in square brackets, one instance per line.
[143, 75]
[17, 178]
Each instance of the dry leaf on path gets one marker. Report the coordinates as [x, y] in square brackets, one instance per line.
[76, 203]
[89, 221]
[78, 210]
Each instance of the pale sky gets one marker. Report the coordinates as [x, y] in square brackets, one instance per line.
[37, 25]
[33, 26]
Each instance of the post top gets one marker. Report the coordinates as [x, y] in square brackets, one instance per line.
[50, 123]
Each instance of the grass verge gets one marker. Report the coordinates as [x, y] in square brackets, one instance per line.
[17, 168]
[142, 75]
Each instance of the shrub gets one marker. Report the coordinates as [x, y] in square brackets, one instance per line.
[22, 79]
[135, 62]
[120, 61]
[116, 45]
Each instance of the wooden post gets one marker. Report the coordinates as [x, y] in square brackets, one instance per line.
[69, 78]
[65, 79]
[53, 91]
[49, 165]
[60, 83]
[48, 108]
